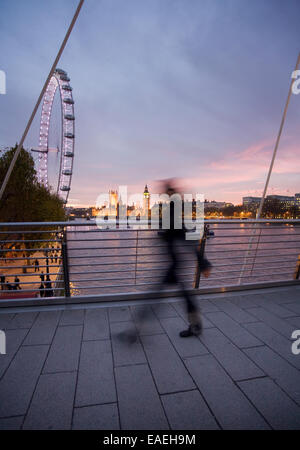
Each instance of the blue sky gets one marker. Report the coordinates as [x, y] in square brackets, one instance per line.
[193, 89]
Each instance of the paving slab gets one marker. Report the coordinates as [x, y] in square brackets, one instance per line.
[278, 310]
[275, 341]
[182, 312]
[205, 305]
[280, 325]
[206, 323]
[233, 360]
[19, 381]
[98, 417]
[96, 383]
[52, 404]
[168, 370]
[185, 347]
[22, 320]
[277, 408]
[119, 314]
[96, 325]
[294, 321]
[43, 329]
[234, 331]
[286, 296]
[11, 423]
[64, 351]
[269, 304]
[72, 317]
[188, 411]
[180, 308]
[232, 310]
[277, 368]
[125, 351]
[243, 301]
[5, 319]
[228, 404]
[164, 310]
[14, 339]
[145, 320]
[139, 403]
[294, 307]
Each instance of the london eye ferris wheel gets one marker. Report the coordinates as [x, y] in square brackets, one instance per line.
[65, 149]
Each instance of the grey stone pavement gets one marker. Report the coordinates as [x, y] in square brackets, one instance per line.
[68, 368]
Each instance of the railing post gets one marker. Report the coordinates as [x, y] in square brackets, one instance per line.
[297, 270]
[136, 254]
[201, 249]
[64, 251]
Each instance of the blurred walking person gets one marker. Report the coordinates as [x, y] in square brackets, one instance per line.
[173, 237]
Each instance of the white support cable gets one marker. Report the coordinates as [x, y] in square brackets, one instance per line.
[259, 211]
[17, 152]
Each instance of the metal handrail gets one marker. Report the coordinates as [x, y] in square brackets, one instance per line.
[141, 270]
[144, 222]
[97, 265]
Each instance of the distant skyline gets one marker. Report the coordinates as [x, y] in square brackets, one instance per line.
[153, 200]
[168, 88]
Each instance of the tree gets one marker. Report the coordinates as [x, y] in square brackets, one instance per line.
[228, 211]
[211, 210]
[273, 208]
[294, 211]
[26, 200]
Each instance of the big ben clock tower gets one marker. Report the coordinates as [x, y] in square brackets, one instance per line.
[146, 202]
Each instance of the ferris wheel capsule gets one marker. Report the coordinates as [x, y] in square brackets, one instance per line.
[60, 71]
[64, 78]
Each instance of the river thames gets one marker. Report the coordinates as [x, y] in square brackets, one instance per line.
[113, 261]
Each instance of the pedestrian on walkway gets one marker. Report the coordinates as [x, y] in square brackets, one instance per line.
[42, 276]
[3, 254]
[8, 286]
[174, 237]
[42, 290]
[48, 286]
[36, 266]
[2, 279]
[17, 282]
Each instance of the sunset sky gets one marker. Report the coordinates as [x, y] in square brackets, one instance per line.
[193, 89]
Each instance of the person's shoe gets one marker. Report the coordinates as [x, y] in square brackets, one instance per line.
[186, 333]
[193, 330]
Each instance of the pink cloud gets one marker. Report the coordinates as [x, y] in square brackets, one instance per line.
[255, 160]
[234, 175]
[250, 166]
